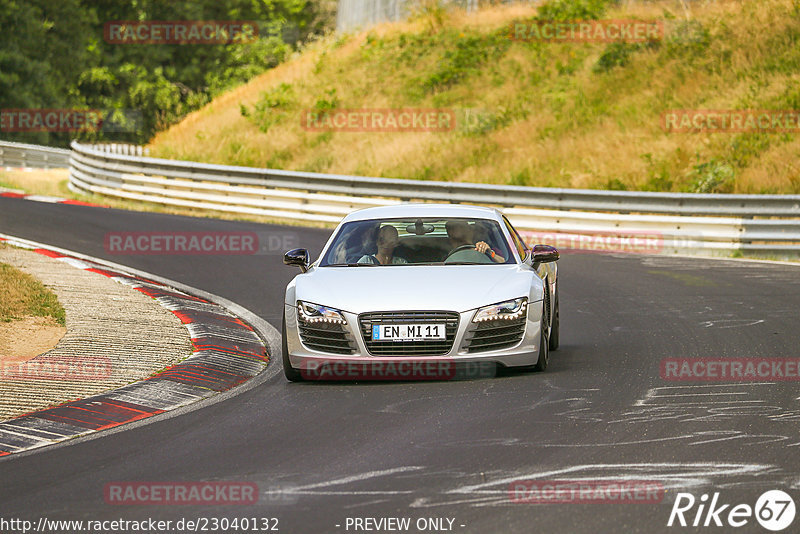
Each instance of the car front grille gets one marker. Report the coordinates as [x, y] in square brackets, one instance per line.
[495, 335]
[409, 348]
[326, 337]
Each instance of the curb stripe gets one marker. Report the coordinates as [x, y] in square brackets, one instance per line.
[226, 353]
[50, 200]
[49, 253]
[157, 292]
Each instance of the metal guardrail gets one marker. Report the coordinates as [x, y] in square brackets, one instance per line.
[40, 157]
[538, 197]
[622, 221]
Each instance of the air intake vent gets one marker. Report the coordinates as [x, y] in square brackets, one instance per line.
[495, 335]
[326, 337]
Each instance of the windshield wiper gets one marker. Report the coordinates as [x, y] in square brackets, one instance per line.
[351, 265]
[465, 263]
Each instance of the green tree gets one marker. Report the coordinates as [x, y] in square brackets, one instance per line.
[53, 55]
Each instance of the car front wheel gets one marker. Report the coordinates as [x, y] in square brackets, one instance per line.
[544, 352]
[555, 326]
[292, 374]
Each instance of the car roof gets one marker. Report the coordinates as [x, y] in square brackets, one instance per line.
[424, 210]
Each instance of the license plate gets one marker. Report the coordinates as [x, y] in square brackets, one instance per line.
[408, 332]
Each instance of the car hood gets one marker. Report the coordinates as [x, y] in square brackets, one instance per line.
[397, 287]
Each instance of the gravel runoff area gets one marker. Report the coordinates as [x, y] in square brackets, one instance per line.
[115, 335]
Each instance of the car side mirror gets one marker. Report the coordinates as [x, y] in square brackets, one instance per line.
[544, 254]
[299, 257]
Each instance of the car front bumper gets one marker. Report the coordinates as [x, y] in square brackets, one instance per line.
[524, 353]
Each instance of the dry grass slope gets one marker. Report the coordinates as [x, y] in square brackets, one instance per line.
[549, 114]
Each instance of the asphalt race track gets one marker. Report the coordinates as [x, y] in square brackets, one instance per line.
[324, 452]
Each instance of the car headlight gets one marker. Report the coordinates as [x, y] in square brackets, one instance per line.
[508, 310]
[315, 313]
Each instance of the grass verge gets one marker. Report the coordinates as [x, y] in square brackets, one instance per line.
[22, 295]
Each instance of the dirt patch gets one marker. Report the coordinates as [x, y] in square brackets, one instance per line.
[26, 338]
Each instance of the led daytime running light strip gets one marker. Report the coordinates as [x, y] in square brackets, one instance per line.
[320, 319]
[504, 317]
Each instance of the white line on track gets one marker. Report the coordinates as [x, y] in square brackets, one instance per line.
[357, 478]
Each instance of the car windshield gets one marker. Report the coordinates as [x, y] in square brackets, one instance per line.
[418, 241]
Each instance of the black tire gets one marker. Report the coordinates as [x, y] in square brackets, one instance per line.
[291, 374]
[553, 338]
[544, 352]
[544, 348]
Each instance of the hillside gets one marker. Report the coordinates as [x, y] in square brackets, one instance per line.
[584, 115]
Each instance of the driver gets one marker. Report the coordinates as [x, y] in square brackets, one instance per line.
[388, 239]
[461, 234]
[482, 232]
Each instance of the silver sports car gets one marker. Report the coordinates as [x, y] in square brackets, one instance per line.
[415, 290]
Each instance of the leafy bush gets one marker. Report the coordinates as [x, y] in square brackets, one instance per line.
[522, 177]
[323, 105]
[688, 39]
[432, 12]
[713, 176]
[658, 175]
[466, 57]
[615, 184]
[247, 61]
[475, 121]
[615, 55]
[271, 108]
[564, 10]
[746, 147]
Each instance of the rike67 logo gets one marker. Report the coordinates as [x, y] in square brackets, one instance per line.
[774, 510]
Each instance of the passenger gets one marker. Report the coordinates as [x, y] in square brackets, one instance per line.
[388, 239]
[460, 234]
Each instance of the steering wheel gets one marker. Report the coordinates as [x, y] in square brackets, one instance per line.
[459, 249]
